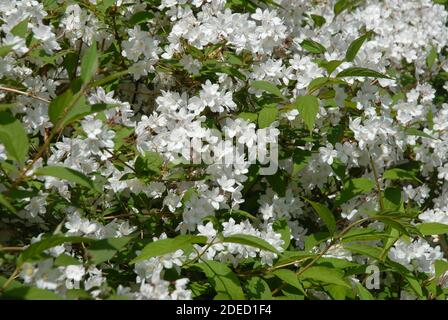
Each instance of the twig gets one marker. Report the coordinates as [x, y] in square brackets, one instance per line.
[12, 90]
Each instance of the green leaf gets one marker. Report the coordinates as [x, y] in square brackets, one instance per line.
[318, 20]
[364, 234]
[149, 163]
[400, 174]
[432, 57]
[104, 250]
[89, 63]
[308, 107]
[140, 17]
[289, 277]
[223, 280]
[313, 46]
[37, 248]
[355, 46]
[30, 293]
[4, 202]
[21, 29]
[4, 50]
[392, 199]
[248, 116]
[266, 116]
[66, 260]
[268, 87]
[363, 293]
[361, 72]
[353, 188]
[340, 6]
[250, 240]
[60, 105]
[258, 289]
[13, 136]
[325, 214]
[416, 132]
[365, 250]
[168, 245]
[68, 174]
[82, 109]
[432, 228]
[325, 275]
[330, 66]
[281, 226]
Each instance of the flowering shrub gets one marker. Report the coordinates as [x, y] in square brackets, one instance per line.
[259, 149]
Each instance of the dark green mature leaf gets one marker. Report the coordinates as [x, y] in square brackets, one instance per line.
[250, 240]
[353, 188]
[223, 280]
[361, 72]
[308, 107]
[289, 277]
[355, 46]
[365, 250]
[325, 275]
[104, 250]
[13, 136]
[66, 174]
[258, 289]
[400, 174]
[313, 46]
[140, 17]
[4, 202]
[37, 248]
[62, 104]
[89, 63]
[325, 214]
[168, 245]
[266, 116]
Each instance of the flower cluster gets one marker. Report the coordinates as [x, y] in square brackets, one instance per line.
[104, 102]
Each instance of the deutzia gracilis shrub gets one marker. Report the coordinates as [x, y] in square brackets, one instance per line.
[223, 149]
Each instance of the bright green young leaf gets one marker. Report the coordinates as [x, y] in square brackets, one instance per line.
[68, 174]
[37, 248]
[268, 87]
[313, 46]
[400, 174]
[4, 50]
[308, 107]
[250, 240]
[168, 245]
[432, 228]
[89, 63]
[266, 116]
